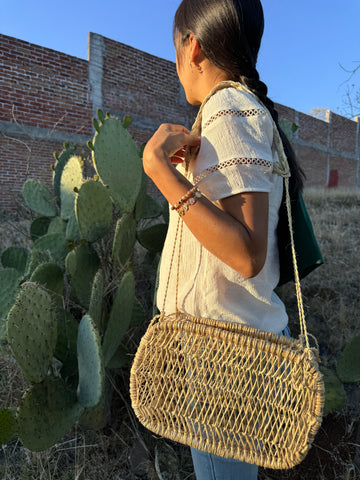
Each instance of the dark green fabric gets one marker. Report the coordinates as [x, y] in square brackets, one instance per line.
[307, 250]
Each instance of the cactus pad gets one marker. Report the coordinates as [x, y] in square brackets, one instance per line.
[72, 176]
[48, 410]
[118, 163]
[38, 197]
[64, 156]
[348, 367]
[153, 238]
[14, 257]
[39, 227]
[51, 277]
[94, 210]
[91, 364]
[96, 299]
[31, 332]
[95, 418]
[65, 350]
[55, 244]
[35, 258]
[152, 208]
[138, 316]
[9, 287]
[81, 264]
[120, 316]
[72, 229]
[334, 391]
[120, 358]
[124, 239]
[7, 425]
[57, 225]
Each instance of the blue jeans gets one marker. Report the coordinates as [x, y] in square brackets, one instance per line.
[212, 467]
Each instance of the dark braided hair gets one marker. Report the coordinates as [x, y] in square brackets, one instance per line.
[229, 33]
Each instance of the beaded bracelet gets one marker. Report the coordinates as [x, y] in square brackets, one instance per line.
[190, 198]
[184, 198]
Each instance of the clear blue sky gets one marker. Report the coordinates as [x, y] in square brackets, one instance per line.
[303, 45]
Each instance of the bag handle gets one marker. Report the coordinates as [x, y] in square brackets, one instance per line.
[282, 169]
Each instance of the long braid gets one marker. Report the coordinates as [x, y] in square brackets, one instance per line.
[259, 88]
[252, 82]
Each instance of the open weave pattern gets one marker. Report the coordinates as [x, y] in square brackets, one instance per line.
[207, 394]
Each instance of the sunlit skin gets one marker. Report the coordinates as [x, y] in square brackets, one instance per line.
[237, 232]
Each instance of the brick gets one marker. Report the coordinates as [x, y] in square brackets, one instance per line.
[315, 166]
[346, 170]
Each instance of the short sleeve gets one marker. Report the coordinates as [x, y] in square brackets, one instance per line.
[236, 153]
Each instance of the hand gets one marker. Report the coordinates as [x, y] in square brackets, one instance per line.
[167, 146]
[178, 156]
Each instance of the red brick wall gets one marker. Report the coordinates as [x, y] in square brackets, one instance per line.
[52, 91]
[23, 159]
[43, 88]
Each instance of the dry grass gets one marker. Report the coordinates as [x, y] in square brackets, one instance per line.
[125, 451]
[331, 292]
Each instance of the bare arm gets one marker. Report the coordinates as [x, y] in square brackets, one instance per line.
[236, 233]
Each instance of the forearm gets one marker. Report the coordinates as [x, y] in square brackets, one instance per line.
[219, 232]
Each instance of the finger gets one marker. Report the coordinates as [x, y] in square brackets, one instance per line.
[176, 160]
[180, 153]
[192, 140]
[174, 128]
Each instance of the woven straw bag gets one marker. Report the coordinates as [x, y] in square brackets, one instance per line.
[227, 389]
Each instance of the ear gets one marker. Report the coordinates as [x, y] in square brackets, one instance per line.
[195, 53]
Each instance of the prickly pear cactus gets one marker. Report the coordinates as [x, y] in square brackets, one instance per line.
[31, 332]
[71, 178]
[57, 225]
[60, 163]
[124, 240]
[335, 394]
[91, 364]
[55, 244]
[117, 162]
[44, 330]
[35, 258]
[38, 197]
[49, 409]
[120, 316]
[94, 210]
[7, 425]
[72, 228]
[15, 257]
[348, 367]
[138, 315]
[9, 288]
[152, 238]
[81, 264]
[51, 277]
[39, 227]
[288, 128]
[66, 343]
[96, 299]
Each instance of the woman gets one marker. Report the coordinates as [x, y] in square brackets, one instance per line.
[229, 261]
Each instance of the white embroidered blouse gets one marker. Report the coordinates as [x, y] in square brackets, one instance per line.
[236, 155]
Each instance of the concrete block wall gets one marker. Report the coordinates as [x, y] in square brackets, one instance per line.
[48, 97]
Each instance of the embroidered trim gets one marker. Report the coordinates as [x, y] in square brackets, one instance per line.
[236, 113]
[233, 161]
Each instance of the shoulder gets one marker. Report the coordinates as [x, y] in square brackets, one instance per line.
[231, 102]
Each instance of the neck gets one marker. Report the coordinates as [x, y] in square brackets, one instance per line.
[208, 76]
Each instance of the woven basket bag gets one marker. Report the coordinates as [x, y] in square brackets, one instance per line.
[227, 389]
